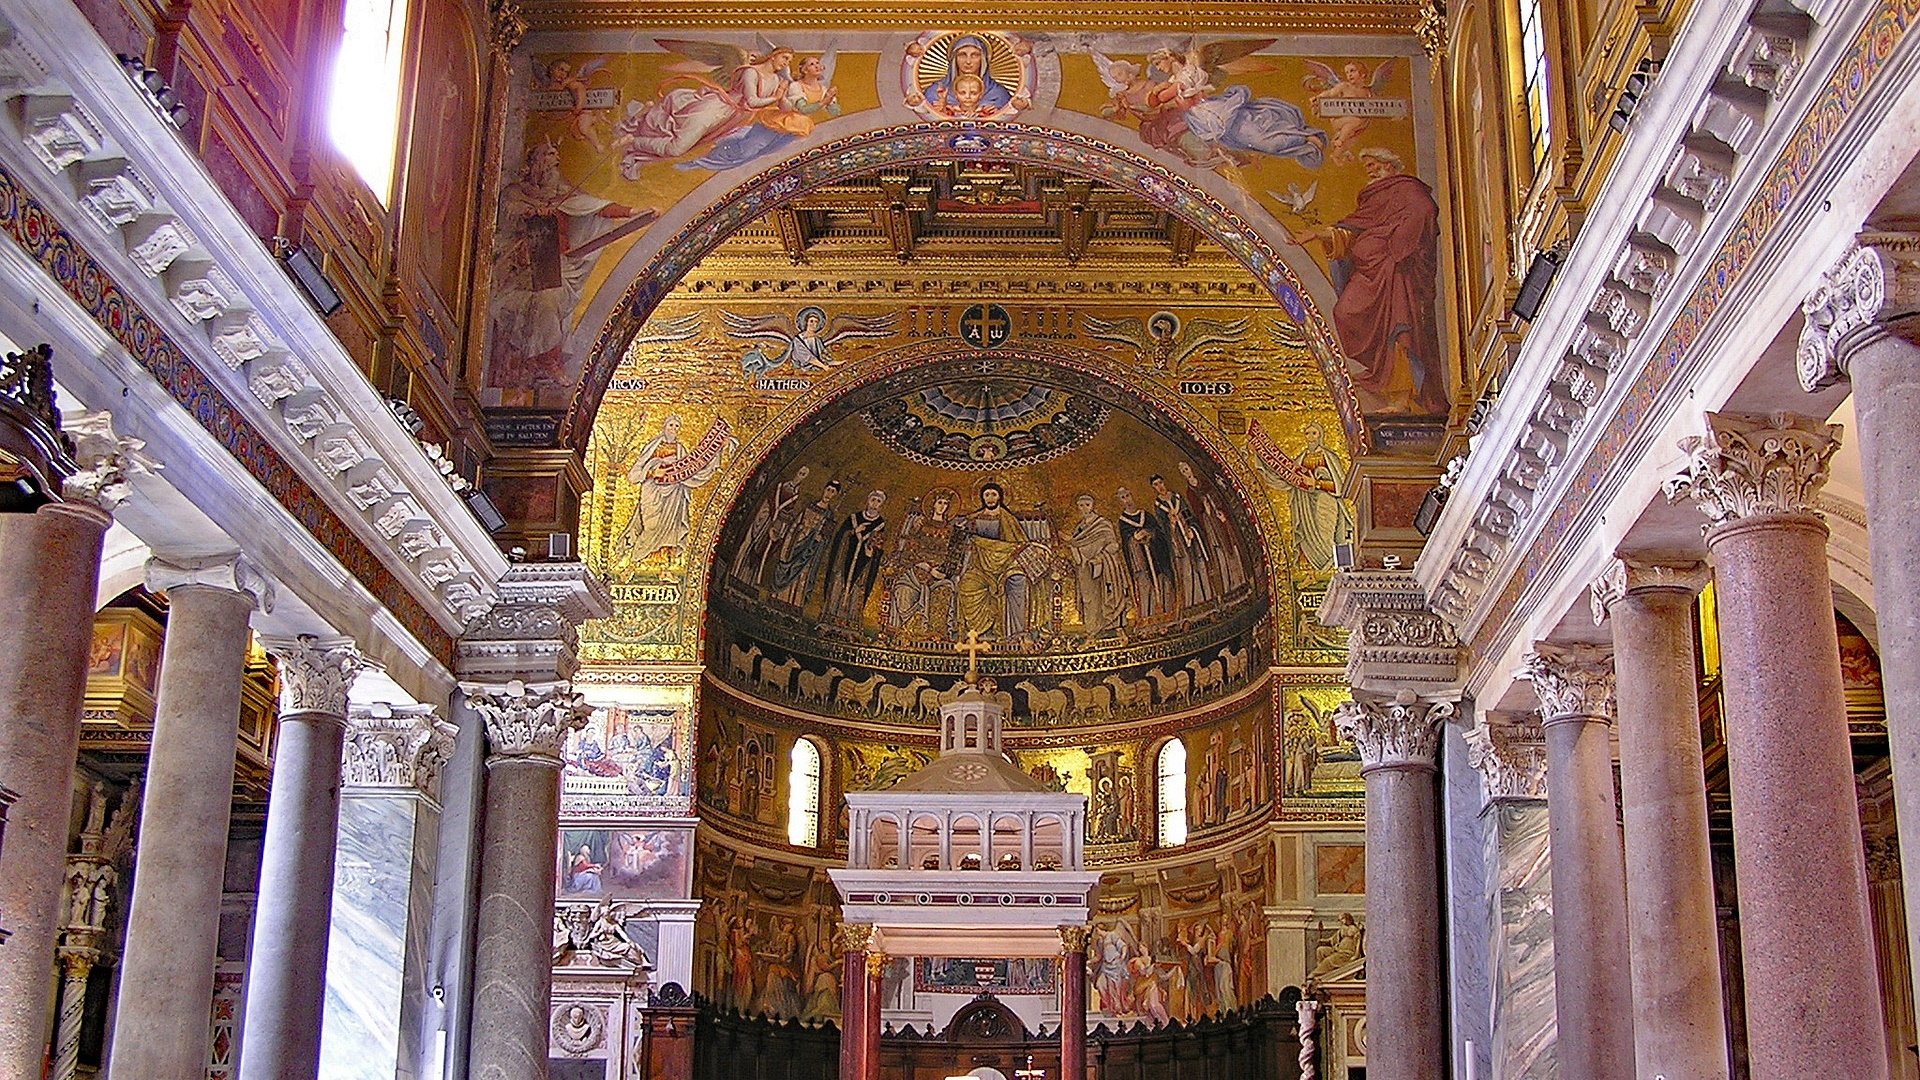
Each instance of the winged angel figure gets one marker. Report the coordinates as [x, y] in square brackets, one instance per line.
[1353, 83]
[1161, 336]
[804, 340]
[1183, 104]
[728, 104]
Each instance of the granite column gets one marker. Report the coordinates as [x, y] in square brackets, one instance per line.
[1813, 995]
[853, 940]
[1406, 1014]
[1679, 1014]
[1861, 326]
[1592, 985]
[287, 965]
[49, 573]
[49, 569]
[1073, 1002]
[166, 974]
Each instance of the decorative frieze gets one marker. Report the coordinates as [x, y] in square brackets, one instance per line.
[1510, 752]
[1755, 466]
[1571, 681]
[1398, 732]
[1877, 280]
[316, 673]
[1627, 574]
[527, 722]
[234, 573]
[403, 747]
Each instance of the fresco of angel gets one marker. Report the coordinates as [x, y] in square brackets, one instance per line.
[755, 111]
[1161, 337]
[804, 340]
[1335, 97]
[1185, 106]
[583, 120]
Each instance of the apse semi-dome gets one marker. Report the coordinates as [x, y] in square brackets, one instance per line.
[1078, 539]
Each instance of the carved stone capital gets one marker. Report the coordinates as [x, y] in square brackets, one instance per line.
[1400, 732]
[105, 462]
[1627, 574]
[1571, 681]
[1875, 282]
[316, 673]
[877, 964]
[532, 633]
[1755, 466]
[853, 937]
[1073, 939]
[403, 747]
[1396, 640]
[234, 573]
[527, 722]
[1510, 752]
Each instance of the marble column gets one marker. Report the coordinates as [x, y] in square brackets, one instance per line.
[853, 940]
[1073, 1001]
[287, 963]
[49, 569]
[1860, 327]
[1679, 1014]
[386, 857]
[1592, 985]
[513, 946]
[1509, 751]
[1813, 1000]
[1398, 739]
[166, 973]
[49, 572]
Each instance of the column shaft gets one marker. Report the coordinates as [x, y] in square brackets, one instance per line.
[853, 1011]
[1592, 987]
[166, 973]
[287, 966]
[1406, 1010]
[49, 569]
[1073, 1014]
[513, 951]
[1813, 1000]
[1679, 1017]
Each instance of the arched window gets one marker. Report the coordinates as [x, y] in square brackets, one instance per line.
[803, 794]
[1170, 769]
[364, 101]
[1533, 78]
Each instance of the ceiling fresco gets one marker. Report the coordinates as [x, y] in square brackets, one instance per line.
[1308, 159]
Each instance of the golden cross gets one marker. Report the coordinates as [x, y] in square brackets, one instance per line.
[973, 647]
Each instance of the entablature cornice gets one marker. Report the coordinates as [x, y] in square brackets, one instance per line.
[1212, 16]
[149, 235]
[1656, 261]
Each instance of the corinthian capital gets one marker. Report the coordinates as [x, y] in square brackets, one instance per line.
[1571, 680]
[1755, 466]
[396, 746]
[1400, 732]
[1877, 280]
[316, 673]
[527, 721]
[1510, 752]
[106, 463]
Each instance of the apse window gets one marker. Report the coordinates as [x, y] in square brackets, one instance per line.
[803, 794]
[1171, 769]
[1533, 76]
[363, 108]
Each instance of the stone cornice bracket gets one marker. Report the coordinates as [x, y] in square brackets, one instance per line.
[1755, 466]
[527, 722]
[403, 747]
[1395, 639]
[234, 573]
[1402, 732]
[1628, 574]
[316, 673]
[532, 633]
[1573, 682]
[1510, 752]
[1875, 283]
[853, 937]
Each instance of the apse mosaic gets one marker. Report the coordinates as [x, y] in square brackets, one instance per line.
[1327, 152]
[1318, 762]
[954, 505]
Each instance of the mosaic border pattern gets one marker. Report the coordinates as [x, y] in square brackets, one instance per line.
[35, 230]
[1868, 55]
[915, 143]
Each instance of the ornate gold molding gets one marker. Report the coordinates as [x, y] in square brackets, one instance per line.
[1212, 16]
